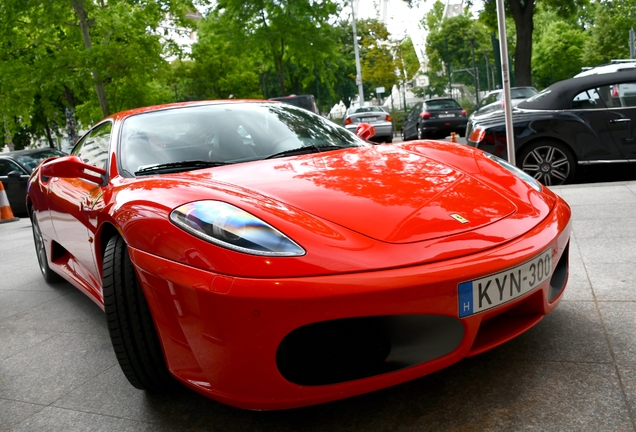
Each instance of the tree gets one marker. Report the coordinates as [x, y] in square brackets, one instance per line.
[610, 32]
[449, 47]
[294, 37]
[376, 56]
[522, 11]
[52, 52]
[557, 50]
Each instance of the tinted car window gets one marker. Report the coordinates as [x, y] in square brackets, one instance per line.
[30, 161]
[618, 95]
[6, 166]
[93, 149]
[225, 133]
[588, 99]
[442, 104]
[522, 93]
[366, 109]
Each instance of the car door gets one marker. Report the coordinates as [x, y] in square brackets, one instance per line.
[14, 179]
[71, 202]
[595, 134]
[620, 99]
[410, 125]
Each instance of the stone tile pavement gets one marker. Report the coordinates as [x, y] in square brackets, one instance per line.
[575, 371]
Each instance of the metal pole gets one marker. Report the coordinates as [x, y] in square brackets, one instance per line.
[355, 49]
[505, 74]
[475, 72]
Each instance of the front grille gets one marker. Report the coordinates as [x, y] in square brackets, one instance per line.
[342, 350]
[560, 275]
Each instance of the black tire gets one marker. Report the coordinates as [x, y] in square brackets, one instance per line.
[420, 133]
[550, 162]
[40, 250]
[132, 330]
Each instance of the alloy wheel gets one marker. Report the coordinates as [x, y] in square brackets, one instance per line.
[548, 164]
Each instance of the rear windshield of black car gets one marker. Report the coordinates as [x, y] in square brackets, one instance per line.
[442, 104]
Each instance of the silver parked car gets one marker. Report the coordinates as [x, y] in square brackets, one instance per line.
[373, 115]
[494, 101]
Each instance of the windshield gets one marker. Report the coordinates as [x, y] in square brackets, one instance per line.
[442, 104]
[365, 110]
[225, 134]
[522, 93]
[30, 161]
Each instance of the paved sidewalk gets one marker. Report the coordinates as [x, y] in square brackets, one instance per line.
[575, 371]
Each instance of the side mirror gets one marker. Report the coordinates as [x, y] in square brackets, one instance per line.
[365, 131]
[15, 174]
[72, 167]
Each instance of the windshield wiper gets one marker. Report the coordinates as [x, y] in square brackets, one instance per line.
[171, 167]
[311, 148]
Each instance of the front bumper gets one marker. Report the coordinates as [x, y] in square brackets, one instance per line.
[236, 340]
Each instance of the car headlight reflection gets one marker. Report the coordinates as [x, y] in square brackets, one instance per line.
[230, 227]
[516, 171]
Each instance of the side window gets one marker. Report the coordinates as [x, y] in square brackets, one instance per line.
[589, 99]
[619, 95]
[415, 111]
[93, 149]
[6, 166]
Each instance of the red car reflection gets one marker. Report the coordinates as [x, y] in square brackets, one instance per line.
[268, 258]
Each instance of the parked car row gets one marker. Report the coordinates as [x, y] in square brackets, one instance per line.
[15, 169]
[587, 120]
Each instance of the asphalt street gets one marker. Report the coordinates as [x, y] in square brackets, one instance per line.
[574, 371]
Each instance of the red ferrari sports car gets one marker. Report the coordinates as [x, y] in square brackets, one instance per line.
[268, 258]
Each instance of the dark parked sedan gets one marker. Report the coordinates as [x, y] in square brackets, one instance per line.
[434, 118]
[579, 121]
[15, 169]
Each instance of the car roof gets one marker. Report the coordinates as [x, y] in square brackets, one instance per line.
[559, 95]
[15, 153]
[608, 68]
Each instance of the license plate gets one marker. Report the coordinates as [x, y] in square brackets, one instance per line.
[446, 115]
[491, 291]
[366, 119]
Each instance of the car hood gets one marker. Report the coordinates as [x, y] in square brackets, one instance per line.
[387, 193]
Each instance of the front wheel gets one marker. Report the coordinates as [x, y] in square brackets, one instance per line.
[132, 330]
[420, 133]
[550, 162]
[40, 250]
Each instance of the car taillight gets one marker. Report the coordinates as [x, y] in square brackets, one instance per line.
[348, 121]
[425, 115]
[388, 118]
[464, 113]
[477, 135]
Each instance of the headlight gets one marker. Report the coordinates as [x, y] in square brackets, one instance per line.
[232, 228]
[516, 171]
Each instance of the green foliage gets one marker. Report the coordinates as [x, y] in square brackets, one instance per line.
[449, 47]
[557, 53]
[609, 36]
[377, 61]
[522, 12]
[49, 65]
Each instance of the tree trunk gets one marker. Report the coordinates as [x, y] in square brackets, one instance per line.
[71, 122]
[80, 10]
[522, 12]
[47, 129]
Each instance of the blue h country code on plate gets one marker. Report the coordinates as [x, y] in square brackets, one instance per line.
[491, 291]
